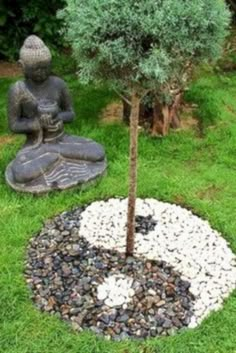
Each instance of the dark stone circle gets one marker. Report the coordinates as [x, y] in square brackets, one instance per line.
[144, 224]
[63, 272]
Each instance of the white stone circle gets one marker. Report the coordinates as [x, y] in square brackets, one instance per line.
[180, 238]
[116, 290]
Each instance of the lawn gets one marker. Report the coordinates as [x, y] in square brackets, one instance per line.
[195, 168]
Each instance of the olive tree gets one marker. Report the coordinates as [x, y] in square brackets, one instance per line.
[142, 46]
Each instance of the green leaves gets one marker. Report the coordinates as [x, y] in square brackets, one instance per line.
[148, 42]
[3, 19]
[3, 15]
[27, 17]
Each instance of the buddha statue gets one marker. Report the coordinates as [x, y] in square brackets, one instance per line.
[39, 107]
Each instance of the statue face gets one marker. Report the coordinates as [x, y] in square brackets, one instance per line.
[38, 72]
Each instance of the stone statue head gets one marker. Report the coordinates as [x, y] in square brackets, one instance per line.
[35, 59]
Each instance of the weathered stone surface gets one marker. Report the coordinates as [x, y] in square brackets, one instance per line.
[39, 107]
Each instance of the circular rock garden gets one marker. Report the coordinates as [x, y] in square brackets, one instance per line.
[182, 269]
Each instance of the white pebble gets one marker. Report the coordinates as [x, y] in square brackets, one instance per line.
[180, 238]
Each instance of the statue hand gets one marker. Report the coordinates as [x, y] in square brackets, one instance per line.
[55, 119]
[36, 126]
[45, 120]
[55, 125]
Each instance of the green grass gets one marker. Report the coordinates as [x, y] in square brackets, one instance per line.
[196, 171]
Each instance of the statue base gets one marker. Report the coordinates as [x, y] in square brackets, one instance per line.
[64, 175]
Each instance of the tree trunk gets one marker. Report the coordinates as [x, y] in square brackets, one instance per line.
[161, 116]
[126, 112]
[134, 119]
[143, 112]
[174, 111]
[161, 119]
[165, 116]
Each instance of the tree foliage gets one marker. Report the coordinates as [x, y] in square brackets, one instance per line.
[146, 42]
[21, 18]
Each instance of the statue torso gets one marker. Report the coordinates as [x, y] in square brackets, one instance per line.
[50, 90]
[27, 97]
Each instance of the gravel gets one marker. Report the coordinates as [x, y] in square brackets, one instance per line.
[182, 269]
[180, 238]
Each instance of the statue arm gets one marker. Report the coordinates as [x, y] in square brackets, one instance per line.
[17, 123]
[67, 113]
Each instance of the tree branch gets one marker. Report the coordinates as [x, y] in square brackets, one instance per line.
[123, 97]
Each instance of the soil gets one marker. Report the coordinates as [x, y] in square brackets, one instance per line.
[6, 139]
[113, 113]
[9, 69]
[187, 119]
[209, 193]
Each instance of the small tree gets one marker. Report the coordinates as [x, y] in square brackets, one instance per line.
[142, 46]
